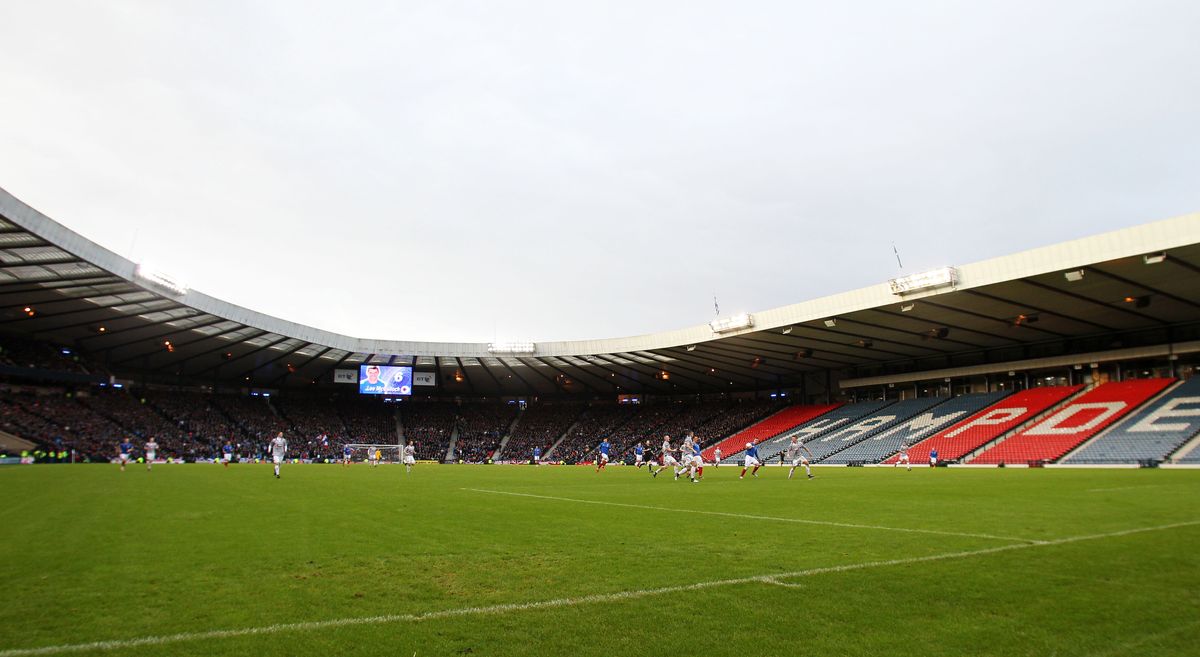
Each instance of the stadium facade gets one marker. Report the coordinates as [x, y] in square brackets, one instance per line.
[1119, 299]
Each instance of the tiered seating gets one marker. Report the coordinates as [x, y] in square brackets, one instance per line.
[596, 421]
[540, 426]
[966, 436]
[1074, 423]
[835, 441]
[258, 423]
[887, 441]
[63, 422]
[1191, 457]
[368, 420]
[428, 427]
[826, 423]
[480, 429]
[1151, 433]
[732, 417]
[141, 421]
[769, 427]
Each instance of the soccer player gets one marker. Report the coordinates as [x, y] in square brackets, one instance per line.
[903, 457]
[667, 459]
[537, 455]
[797, 458]
[697, 459]
[123, 452]
[716, 457]
[151, 452]
[933, 458]
[751, 461]
[227, 453]
[602, 460]
[347, 455]
[409, 457]
[638, 455]
[375, 457]
[685, 458]
[278, 449]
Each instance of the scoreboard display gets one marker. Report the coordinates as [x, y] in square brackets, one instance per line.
[384, 380]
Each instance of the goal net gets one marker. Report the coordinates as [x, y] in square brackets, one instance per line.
[366, 452]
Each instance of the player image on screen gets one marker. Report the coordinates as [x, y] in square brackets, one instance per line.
[384, 380]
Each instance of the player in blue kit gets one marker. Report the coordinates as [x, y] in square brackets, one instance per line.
[124, 450]
[602, 461]
[227, 453]
[933, 458]
[537, 455]
[639, 454]
[347, 455]
[751, 461]
[697, 459]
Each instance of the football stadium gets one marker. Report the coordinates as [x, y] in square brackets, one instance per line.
[994, 457]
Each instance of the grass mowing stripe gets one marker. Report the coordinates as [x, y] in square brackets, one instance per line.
[771, 579]
[746, 516]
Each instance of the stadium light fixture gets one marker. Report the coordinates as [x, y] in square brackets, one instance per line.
[1154, 258]
[830, 323]
[158, 281]
[1074, 276]
[734, 323]
[788, 330]
[926, 280]
[691, 347]
[511, 347]
[907, 307]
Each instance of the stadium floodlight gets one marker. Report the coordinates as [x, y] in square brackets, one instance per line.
[907, 307]
[157, 281]
[1154, 258]
[1073, 276]
[926, 280]
[511, 347]
[788, 330]
[830, 323]
[737, 322]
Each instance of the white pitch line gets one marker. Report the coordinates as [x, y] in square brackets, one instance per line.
[771, 579]
[746, 516]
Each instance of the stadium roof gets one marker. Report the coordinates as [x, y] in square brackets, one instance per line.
[85, 295]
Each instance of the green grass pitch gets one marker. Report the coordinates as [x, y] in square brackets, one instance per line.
[203, 560]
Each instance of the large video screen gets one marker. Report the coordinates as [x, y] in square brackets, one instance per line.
[384, 380]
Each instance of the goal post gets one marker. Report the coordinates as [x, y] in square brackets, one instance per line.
[366, 451]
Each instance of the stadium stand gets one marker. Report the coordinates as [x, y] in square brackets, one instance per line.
[368, 420]
[480, 429]
[833, 442]
[540, 425]
[58, 420]
[1009, 413]
[428, 426]
[1073, 423]
[886, 441]
[598, 420]
[1150, 434]
[814, 428]
[767, 428]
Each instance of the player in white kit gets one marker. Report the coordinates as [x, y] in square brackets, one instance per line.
[795, 455]
[716, 457]
[278, 449]
[151, 452]
[409, 457]
[903, 457]
[667, 459]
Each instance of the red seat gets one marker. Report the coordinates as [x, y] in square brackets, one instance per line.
[788, 418]
[1074, 423]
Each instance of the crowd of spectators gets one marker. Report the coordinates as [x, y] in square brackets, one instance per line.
[540, 425]
[480, 429]
[428, 427]
[595, 423]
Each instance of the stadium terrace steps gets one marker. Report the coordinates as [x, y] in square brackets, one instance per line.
[818, 426]
[1073, 422]
[769, 427]
[885, 442]
[1189, 453]
[1160, 426]
[512, 427]
[833, 443]
[1010, 413]
[558, 441]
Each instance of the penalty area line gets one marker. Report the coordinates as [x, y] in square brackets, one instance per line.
[769, 579]
[747, 516]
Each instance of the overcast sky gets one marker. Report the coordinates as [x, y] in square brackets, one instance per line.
[509, 170]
